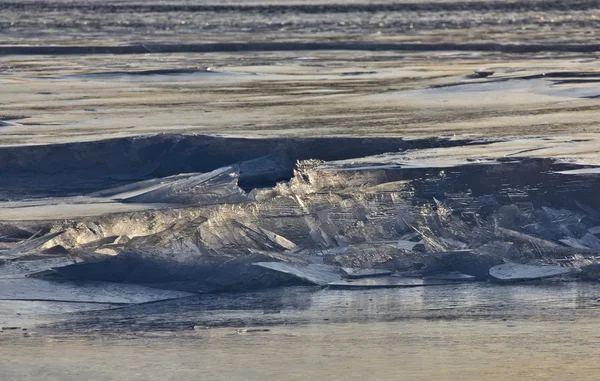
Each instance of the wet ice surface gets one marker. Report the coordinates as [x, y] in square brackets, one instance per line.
[29, 301]
[436, 333]
[15, 285]
[416, 350]
[310, 305]
[27, 313]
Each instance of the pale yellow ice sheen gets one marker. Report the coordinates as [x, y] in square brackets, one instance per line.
[405, 350]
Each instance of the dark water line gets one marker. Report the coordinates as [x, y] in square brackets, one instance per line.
[296, 46]
[470, 6]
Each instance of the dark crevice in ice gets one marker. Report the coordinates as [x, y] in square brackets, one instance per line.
[556, 78]
[564, 74]
[111, 74]
[12, 117]
[62, 300]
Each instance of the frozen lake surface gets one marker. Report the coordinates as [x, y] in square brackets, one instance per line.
[466, 332]
[464, 127]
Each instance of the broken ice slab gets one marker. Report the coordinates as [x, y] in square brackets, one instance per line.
[386, 282]
[352, 273]
[277, 239]
[573, 242]
[6, 123]
[408, 245]
[285, 257]
[581, 171]
[587, 208]
[218, 186]
[514, 272]
[588, 241]
[317, 274]
[27, 246]
[454, 244]
[140, 187]
[453, 276]
[331, 276]
[86, 292]
[528, 239]
[544, 245]
[20, 269]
